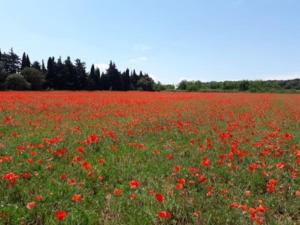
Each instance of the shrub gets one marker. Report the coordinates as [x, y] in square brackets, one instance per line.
[34, 77]
[16, 82]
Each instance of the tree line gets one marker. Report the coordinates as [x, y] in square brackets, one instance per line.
[21, 74]
[243, 85]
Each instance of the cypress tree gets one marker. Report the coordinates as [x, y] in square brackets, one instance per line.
[28, 64]
[93, 78]
[81, 77]
[24, 61]
[97, 78]
[126, 80]
[50, 77]
[133, 80]
[69, 74]
[115, 80]
[43, 67]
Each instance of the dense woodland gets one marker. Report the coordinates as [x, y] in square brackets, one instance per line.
[21, 74]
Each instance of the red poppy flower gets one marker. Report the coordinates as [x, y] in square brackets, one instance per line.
[101, 161]
[202, 179]
[280, 165]
[86, 166]
[133, 196]
[117, 192]
[159, 197]
[134, 184]
[80, 149]
[252, 167]
[164, 215]
[247, 193]
[30, 205]
[76, 198]
[205, 162]
[179, 186]
[39, 198]
[177, 168]
[181, 181]
[92, 138]
[234, 205]
[60, 215]
[10, 178]
[270, 186]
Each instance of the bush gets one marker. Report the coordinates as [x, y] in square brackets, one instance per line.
[34, 77]
[16, 82]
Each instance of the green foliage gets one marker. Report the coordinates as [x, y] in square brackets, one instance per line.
[164, 87]
[244, 85]
[146, 83]
[16, 82]
[35, 77]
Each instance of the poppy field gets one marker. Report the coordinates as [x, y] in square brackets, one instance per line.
[149, 158]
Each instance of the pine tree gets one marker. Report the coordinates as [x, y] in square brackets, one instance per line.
[12, 63]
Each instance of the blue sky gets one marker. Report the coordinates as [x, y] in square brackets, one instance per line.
[169, 39]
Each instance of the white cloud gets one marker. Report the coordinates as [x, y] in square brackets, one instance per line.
[138, 59]
[102, 66]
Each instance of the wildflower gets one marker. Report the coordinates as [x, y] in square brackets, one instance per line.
[133, 196]
[10, 178]
[280, 165]
[270, 185]
[76, 198]
[134, 184]
[30, 205]
[164, 215]
[205, 162]
[60, 215]
[247, 194]
[39, 198]
[159, 197]
[118, 192]
[86, 166]
[252, 167]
